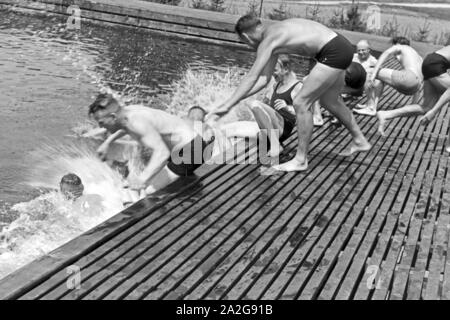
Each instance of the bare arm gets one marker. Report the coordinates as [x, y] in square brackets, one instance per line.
[445, 97]
[103, 149]
[384, 56]
[261, 69]
[150, 138]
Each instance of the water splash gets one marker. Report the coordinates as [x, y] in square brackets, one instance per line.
[49, 221]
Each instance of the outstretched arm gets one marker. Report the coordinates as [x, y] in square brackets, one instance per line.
[445, 97]
[258, 76]
[103, 149]
[384, 56]
[150, 138]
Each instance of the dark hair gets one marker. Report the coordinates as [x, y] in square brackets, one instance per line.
[71, 179]
[285, 61]
[121, 167]
[196, 108]
[246, 23]
[102, 101]
[400, 40]
[76, 186]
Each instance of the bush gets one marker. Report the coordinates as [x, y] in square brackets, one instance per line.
[171, 2]
[337, 20]
[353, 19]
[213, 5]
[312, 13]
[279, 13]
[391, 28]
[423, 32]
[253, 8]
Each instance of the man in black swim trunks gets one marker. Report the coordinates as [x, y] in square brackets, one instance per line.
[333, 53]
[436, 90]
[177, 148]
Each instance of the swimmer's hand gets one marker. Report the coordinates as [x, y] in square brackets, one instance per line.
[280, 104]
[427, 118]
[102, 151]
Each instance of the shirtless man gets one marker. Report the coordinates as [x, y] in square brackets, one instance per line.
[368, 61]
[407, 81]
[436, 94]
[177, 149]
[333, 53]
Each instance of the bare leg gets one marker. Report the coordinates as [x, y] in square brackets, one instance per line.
[320, 79]
[332, 101]
[240, 129]
[431, 96]
[317, 115]
[268, 119]
[373, 97]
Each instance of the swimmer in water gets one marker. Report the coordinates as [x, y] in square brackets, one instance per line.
[177, 149]
[72, 188]
[333, 53]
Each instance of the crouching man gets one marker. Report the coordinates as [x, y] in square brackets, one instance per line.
[177, 148]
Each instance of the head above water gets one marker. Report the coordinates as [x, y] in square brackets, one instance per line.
[249, 29]
[71, 186]
[104, 110]
[363, 49]
[400, 40]
[197, 113]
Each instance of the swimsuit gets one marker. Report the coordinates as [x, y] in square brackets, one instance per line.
[337, 53]
[190, 157]
[434, 65]
[289, 119]
[355, 76]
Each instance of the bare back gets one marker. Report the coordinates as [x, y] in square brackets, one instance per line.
[173, 130]
[410, 59]
[299, 36]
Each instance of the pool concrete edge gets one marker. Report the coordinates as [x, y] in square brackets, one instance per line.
[173, 20]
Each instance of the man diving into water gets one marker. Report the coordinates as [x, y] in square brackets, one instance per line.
[177, 149]
[333, 53]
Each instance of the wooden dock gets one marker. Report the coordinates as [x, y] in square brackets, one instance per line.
[372, 226]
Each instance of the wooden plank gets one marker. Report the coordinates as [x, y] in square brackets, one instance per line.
[437, 261]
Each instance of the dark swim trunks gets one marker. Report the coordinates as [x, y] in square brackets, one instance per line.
[434, 65]
[289, 123]
[355, 76]
[186, 160]
[337, 53]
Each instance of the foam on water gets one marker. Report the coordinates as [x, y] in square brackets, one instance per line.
[49, 220]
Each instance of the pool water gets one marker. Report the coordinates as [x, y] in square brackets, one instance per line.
[50, 74]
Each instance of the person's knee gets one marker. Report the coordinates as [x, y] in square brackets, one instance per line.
[303, 105]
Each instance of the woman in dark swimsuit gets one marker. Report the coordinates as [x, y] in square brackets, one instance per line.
[276, 115]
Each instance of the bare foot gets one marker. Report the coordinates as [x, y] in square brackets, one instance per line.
[275, 151]
[381, 122]
[356, 147]
[447, 149]
[292, 165]
[360, 106]
[368, 111]
[317, 121]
